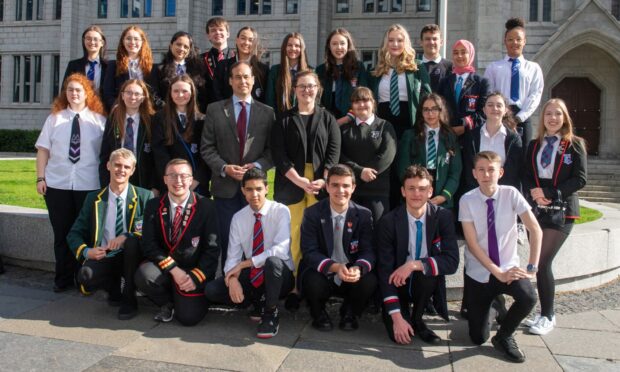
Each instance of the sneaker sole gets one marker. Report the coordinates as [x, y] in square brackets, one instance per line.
[539, 332]
[267, 335]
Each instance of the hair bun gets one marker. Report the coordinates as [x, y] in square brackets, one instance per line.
[514, 23]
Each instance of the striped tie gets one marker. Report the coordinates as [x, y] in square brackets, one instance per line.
[418, 239]
[432, 151]
[90, 74]
[545, 157]
[176, 224]
[128, 144]
[120, 226]
[514, 79]
[394, 97]
[256, 273]
[180, 69]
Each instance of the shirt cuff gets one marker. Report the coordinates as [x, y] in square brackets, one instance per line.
[222, 173]
[257, 165]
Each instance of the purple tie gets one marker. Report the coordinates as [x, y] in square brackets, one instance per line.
[492, 235]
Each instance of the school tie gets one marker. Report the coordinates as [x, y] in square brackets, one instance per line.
[241, 128]
[432, 151]
[514, 79]
[339, 86]
[457, 90]
[394, 97]
[180, 69]
[491, 234]
[418, 239]
[293, 74]
[120, 226]
[220, 55]
[257, 276]
[133, 67]
[182, 122]
[338, 254]
[128, 142]
[176, 224]
[74, 141]
[545, 157]
[90, 74]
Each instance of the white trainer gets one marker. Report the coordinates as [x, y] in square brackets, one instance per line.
[544, 326]
[531, 321]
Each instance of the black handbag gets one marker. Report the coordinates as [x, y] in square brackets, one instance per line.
[554, 213]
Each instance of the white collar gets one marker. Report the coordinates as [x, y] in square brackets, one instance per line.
[369, 121]
[436, 60]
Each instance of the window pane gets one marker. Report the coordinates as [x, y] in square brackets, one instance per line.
[18, 10]
[124, 8]
[382, 6]
[135, 8]
[26, 79]
[58, 9]
[171, 8]
[39, 10]
[367, 59]
[397, 5]
[102, 9]
[1, 10]
[266, 6]
[342, 6]
[369, 6]
[217, 7]
[29, 10]
[240, 6]
[615, 8]
[424, 5]
[546, 11]
[533, 10]
[16, 77]
[292, 6]
[148, 8]
[37, 78]
[254, 6]
[55, 76]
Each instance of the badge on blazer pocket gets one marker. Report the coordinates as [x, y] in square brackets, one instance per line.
[147, 147]
[138, 226]
[194, 148]
[354, 246]
[471, 103]
[195, 241]
[568, 159]
[437, 243]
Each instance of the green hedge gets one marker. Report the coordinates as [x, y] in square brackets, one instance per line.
[17, 140]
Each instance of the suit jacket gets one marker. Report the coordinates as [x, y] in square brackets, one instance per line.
[145, 166]
[289, 144]
[473, 96]
[87, 230]
[163, 153]
[112, 83]
[512, 167]
[196, 250]
[327, 82]
[412, 150]
[569, 174]
[79, 65]
[393, 249]
[317, 239]
[418, 86]
[220, 143]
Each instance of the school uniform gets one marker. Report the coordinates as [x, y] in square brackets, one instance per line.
[466, 109]
[213, 77]
[163, 74]
[397, 238]
[320, 251]
[437, 70]
[337, 93]
[113, 82]
[82, 66]
[271, 98]
[447, 166]
[195, 251]
[142, 149]
[224, 90]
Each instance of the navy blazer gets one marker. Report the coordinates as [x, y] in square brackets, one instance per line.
[471, 102]
[317, 239]
[79, 66]
[393, 249]
[569, 173]
[112, 83]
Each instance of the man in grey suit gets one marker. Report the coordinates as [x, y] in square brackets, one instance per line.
[235, 138]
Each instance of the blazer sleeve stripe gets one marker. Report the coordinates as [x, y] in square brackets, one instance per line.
[322, 264]
[366, 263]
[78, 253]
[166, 264]
[433, 264]
[390, 299]
[199, 275]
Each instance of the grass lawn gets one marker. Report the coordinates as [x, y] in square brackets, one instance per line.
[17, 187]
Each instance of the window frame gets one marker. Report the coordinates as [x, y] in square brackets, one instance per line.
[388, 6]
[348, 7]
[293, 2]
[536, 11]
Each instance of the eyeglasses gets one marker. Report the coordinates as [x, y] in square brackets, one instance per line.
[93, 39]
[129, 39]
[307, 87]
[428, 110]
[132, 94]
[176, 176]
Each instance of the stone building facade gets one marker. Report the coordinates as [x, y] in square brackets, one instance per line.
[577, 42]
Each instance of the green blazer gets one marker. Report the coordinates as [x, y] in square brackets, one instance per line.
[412, 150]
[418, 86]
[327, 82]
[87, 230]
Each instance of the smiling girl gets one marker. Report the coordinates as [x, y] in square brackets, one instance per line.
[93, 63]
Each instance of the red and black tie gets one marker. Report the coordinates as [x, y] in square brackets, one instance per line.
[256, 274]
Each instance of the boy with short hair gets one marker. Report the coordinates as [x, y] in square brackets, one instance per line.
[437, 67]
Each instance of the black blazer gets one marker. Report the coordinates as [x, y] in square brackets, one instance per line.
[289, 149]
[223, 90]
[317, 239]
[145, 166]
[112, 84]
[393, 249]
[214, 78]
[569, 173]
[163, 153]
[79, 65]
[196, 250]
[512, 166]
[473, 97]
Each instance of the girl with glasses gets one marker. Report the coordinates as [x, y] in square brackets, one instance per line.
[93, 63]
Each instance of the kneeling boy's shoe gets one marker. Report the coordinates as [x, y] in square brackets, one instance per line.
[165, 314]
[425, 334]
[322, 322]
[269, 324]
[508, 346]
[128, 310]
[348, 322]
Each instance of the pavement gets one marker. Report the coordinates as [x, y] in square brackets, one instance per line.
[42, 330]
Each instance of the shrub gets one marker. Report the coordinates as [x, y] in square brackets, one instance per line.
[17, 140]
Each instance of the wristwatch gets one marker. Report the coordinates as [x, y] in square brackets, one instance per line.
[531, 268]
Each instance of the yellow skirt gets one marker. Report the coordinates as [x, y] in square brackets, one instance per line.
[297, 213]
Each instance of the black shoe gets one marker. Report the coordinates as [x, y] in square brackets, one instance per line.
[509, 347]
[323, 323]
[128, 310]
[348, 322]
[430, 309]
[165, 314]
[425, 334]
[269, 324]
[292, 302]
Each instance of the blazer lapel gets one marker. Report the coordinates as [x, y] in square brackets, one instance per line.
[229, 112]
[131, 205]
[141, 138]
[431, 225]
[164, 219]
[101, 207]
[299, 126]
[467, 84]
[350, 224]
[327, 225]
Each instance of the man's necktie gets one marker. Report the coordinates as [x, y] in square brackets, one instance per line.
[545, 157]
[241, 129]
[176, 224]
[257, 276]
[74, 141]
[90, 74]
[394, 96]
[491, 234]
[128, 141]
[514, 79]
[431, 162]
[120, 226]
[220, 56]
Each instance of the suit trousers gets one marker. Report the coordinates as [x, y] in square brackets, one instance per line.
[63, 207]
[479, 299]
[226, 209]
[189, 307]
[279, 281]
[297, 214]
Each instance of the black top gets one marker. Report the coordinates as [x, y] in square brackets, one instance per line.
[307, 120]
[438, 71]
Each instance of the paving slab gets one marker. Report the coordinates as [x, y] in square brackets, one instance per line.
[30, 353]
[487, 358]
[11, 307]
[7, 289]
[577, 364]
[591, 320]
[458, 336]
[612, 315]
[115, 363]
[584, 343]
[310, 355]
[79, 319]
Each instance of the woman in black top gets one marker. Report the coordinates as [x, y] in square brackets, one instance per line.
[93, 63]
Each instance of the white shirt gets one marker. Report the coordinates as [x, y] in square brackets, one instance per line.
[97, 78]
[134, 70]
[369, 121]
[276, 221]
[495, 143]
[508, 204]
[413, 229]
[427, 129]
[531, 83]
[60, 172]
[173, 208]
[426, 60]
[547, 173]
[109, 228]
[384, 87]
[464, 75]
[135, 125]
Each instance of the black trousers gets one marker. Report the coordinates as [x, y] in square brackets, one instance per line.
[189, 307]
[418, 290]
[524, 129]
[63, 207]
[279, 281]
[480, 296]
[318, 288]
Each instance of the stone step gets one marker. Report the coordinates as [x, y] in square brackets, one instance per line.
[607, 182]
[598, 194]
[603, 176]
[595, 199]
[602, 187]
[603, 161]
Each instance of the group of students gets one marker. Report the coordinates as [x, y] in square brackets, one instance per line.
[157, 194]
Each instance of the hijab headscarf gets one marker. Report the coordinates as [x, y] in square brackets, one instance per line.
[472, 53]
